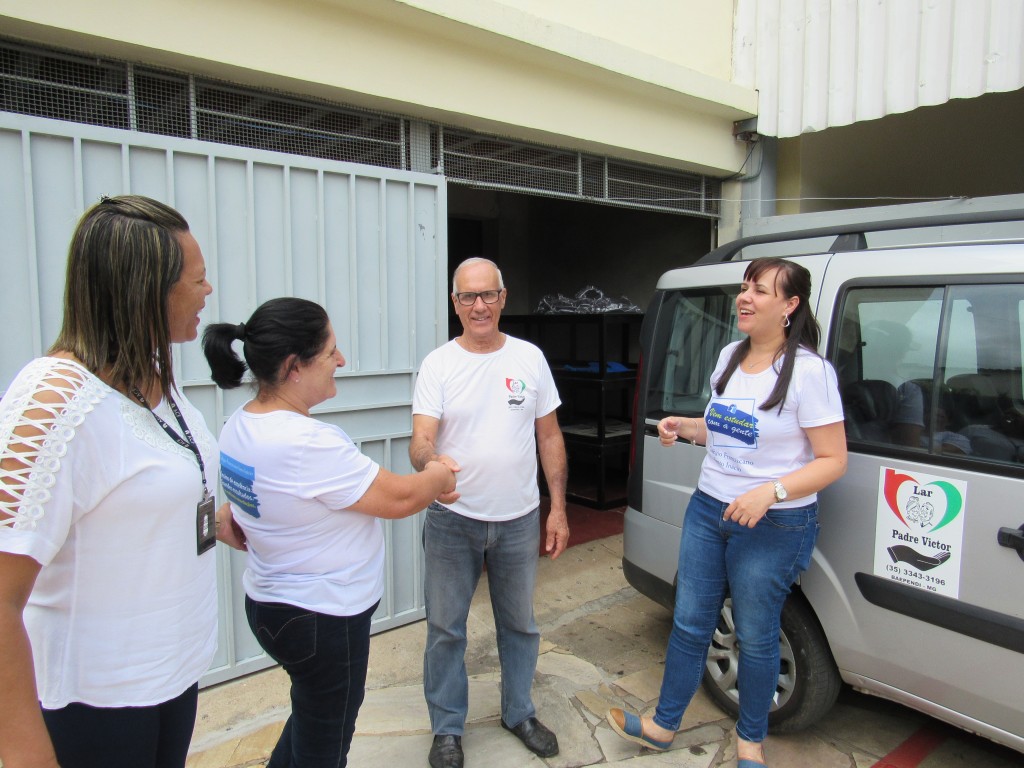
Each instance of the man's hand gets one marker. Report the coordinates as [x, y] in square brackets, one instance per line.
[557, 533]
[451, 496]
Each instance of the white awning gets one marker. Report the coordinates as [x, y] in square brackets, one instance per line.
[823, 63]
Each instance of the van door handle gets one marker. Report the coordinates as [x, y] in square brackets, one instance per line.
[1013, 538]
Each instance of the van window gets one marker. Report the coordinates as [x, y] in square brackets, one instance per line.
[686, 347]
[934, 369]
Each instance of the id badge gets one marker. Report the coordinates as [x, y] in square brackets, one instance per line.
[206, 524]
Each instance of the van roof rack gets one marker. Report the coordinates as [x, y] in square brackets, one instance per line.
[852, 236]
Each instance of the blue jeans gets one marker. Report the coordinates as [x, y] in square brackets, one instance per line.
[758, 566]
[456, 549]
[124, 737]
[326, 659]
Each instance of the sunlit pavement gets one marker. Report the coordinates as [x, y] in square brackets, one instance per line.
[603, 645]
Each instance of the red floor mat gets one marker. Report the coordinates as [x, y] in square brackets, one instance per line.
[585, 524]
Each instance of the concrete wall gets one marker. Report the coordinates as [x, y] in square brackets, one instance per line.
[692, 33]
[964, 148]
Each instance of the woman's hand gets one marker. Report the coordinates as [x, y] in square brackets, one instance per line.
[228, 531]
[24, 740]
[668, 429]
[671, 428]
[749, 508]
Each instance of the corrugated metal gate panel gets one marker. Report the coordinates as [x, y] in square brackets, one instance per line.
[367, 243]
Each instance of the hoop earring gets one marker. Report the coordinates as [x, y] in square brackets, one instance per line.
[786, 322]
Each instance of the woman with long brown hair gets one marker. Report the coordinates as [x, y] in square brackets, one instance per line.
[108, 605]
[774, 436]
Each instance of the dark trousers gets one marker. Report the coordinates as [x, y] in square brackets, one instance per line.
[124, 737]
[326, 658]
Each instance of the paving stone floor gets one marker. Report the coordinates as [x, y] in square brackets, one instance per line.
[603, 645]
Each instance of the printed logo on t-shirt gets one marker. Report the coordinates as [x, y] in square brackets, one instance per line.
[237, 479]
[732, 422]
[517, 393]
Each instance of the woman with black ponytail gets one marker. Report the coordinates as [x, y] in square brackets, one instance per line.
[307, 503]
[774, 434]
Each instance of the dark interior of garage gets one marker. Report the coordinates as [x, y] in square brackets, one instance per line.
[547, 248]
[545, 245]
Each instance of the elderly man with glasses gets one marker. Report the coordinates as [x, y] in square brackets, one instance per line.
[485, 405]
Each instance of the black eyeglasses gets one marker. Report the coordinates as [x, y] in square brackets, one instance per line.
[468, 298]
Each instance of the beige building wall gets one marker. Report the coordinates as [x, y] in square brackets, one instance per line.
[959, 149]
[492, 66]
[696, 34]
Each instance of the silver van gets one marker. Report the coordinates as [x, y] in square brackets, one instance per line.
[916, 589]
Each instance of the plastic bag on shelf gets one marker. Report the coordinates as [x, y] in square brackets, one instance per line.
[587, 301]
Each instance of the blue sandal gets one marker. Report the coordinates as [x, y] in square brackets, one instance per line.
[745, 763]
[632, 729]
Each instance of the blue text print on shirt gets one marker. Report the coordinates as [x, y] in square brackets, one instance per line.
[237, 479]
[732, 425]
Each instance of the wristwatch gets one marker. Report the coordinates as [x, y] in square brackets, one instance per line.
[780, 490]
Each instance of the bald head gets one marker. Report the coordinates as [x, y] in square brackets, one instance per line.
[471, 262]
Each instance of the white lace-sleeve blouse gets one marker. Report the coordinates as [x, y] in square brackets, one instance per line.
[124, 612]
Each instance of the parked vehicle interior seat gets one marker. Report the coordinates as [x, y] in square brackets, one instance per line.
[870, 405]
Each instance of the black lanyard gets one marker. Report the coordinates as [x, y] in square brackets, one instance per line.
[186, 442]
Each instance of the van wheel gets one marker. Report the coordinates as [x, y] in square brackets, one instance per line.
[809, 681]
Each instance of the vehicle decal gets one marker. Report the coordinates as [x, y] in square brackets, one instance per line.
[919, 530]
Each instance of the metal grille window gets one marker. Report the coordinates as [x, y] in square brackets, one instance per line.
[489, 161]
[69, 86]
[162, 103]
[271, 121]
[649, 187]
[81, 89]
[63, 86]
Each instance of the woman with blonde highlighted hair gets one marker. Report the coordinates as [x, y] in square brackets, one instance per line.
[108, 606]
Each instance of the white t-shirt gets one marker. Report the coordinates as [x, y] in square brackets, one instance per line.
[748, 446]
[289, 479]
[124, 612]
[488, 405]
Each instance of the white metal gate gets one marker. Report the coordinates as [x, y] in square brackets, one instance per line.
[367, 243]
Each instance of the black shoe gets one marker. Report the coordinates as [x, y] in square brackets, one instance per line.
[538, 739]
[446, 752]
